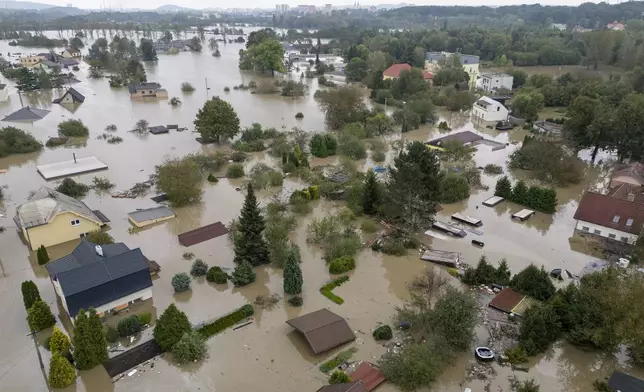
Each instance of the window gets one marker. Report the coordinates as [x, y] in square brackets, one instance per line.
[629, 223]
[597, 232]
[498, 108]
[616, 219]
[585, 228]
[611, 236]
[624, 239]
[75, 222]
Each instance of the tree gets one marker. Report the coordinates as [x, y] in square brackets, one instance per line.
[30, 293]
[584, 126]
[27, 80]
[540, 328]
[378, 125]
[199, 268]
[190, 348]
[170, 327]
[42, 255]
[455, 307]
[73, 128]
[518, 77]
[356, 70]
[292, 273]
[323, 145]
[148, 53]
[99, 237]
[416, 365]
[76, 43]
[243, 274]
[524, 386]
[339, 377]
[217, 120]
[257, 37]
[195, 44]
[342, 106]
[533, 282]
[90, 346]
[268, 55]
[250, 246]
[372, 194]
[181, 282]
[413, 188]
[454, 188]
[503, 188]
[180, 180]
[59, 342]
[527, 105]
[16, 141]
[61, 372]
[520, 192]
[628, 128]
[216, 275]
[39, 316]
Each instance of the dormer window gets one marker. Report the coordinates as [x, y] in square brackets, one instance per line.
[616, 219]
[629, 222]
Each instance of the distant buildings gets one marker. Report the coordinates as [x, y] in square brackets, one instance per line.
[493, 82]
[558, 26]
[394, 71]
[616, 26]
[71, 53]
[281, 8]
[328, 9]
[434, 61]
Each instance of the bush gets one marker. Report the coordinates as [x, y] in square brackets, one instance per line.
[170, 327]
[516, 355]
[382, 332]
[61, 372]
[16, 141]
[187, 87]
[73, 189]
[42, 255]
[181, 180]
[30, 293]
[129, 326]
[252, 84]
[235, 170]
[181, 282]
[299, 115]
[99, 237]
[190, 348]
[243, 274]
[378, 156]
[323, 145]
[217, 275]
[338, 360]
[199, 268]
[145, 318]
[111, 334]
[39, 316]
[347, 245]
[533, 282]
[252, 146]
[369, 226]
[73, 128]
[238, 156]
[59, 342]
[102, 183]
[227, 89]
[212, 179]
[486, 274]
[227, 321]
[342, 264]
[352, 147]
[326, 289]
[295, 301]
[188, 255]
[339, 377]
[493, 169]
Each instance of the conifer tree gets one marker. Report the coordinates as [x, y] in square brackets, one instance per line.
[292, 273]
[243, 274]
[61, 372]
[90, 346]
[170, 327]
[250, 246]
[39, 316]
[503, 188]
[30, 293]
[59, 342]
[42, 255]
[371, 194]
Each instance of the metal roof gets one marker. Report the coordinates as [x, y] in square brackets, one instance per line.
[623, 382]
[151, 214]
[83, 254]
[46, 203]
[506, 300]
[158, 129]
[76, 96]
[323, 330]
[202, 234]
[357, 386]
[27, 114]
[368, 374]
[143, 86]
[466, 59]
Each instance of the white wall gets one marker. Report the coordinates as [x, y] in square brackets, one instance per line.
[605, 231]
[496, 82]
[491, 114]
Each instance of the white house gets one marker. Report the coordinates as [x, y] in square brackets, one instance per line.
[487, 109]
[609, 217]
[493, 82]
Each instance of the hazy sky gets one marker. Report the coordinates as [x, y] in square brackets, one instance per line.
[199, 4]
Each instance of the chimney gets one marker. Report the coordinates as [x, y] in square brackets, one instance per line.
[630, 196]
[99, 250]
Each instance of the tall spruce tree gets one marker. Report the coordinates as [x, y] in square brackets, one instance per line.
[413, 188]
[292, 273]
[170, 327]
[30, 293]
[250, 245]
[90, 346]
[371, 195]
[503, 188]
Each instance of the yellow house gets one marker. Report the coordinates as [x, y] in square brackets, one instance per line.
[71, 53]
[434, 61]
[50, 218]
[30, 61]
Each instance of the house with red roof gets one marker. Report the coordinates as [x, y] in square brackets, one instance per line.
[616, 26]
[394, 71]
[610, 217]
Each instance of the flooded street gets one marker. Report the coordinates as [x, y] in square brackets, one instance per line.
[266, 355]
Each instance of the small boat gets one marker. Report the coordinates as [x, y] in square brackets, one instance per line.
[484, 354]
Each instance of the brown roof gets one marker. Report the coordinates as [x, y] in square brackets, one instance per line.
[628, 192]
[634, 170]
[464, 137]
[345, 387]
[323, 330]
[202, 234]
[611, 212]
[368, 374]
[506, 300]
[394, 71]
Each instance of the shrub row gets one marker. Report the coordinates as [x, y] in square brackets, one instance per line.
[336, 361]
[342, 264]
[326, 289]
[227, 321]
[307, 194]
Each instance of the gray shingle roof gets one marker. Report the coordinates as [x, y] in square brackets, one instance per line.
[442, 56]
[46, 203]
[68, 62]
[27, 114]
[76, 96]
[84, 253]
[151, 214]
[143, 86]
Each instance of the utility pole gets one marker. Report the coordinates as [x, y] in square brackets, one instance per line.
[207, 96]
[385, 105]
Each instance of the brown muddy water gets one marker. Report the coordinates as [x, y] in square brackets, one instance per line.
[266, 355]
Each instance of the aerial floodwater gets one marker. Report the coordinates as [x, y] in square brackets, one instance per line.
[267, 355]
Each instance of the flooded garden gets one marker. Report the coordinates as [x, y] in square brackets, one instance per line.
[267, 354]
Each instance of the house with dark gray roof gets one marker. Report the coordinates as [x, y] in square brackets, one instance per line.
[623, 382]
[27, 114]
[70, 97]
[149, 89]
[104, 277]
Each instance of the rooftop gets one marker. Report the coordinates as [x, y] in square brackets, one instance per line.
[76, 96]
[611, 212]
[395, 70]
[369, 375]
[466, 59]
[623, 382]
[549, 126]
[464, 137]
[357, 386]
[202, 234]
[506, 300]
[634, 170]
[323, 330]
[143, 86]
[67, 168]
[628, 192]
[496, 75]
[46, 203]
[27, 114]
[151, 214]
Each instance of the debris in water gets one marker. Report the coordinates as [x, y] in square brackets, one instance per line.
[130, 374]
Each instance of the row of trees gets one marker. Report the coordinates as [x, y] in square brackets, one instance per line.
[541, 199]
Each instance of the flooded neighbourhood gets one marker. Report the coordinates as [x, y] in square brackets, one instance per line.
[268, 354]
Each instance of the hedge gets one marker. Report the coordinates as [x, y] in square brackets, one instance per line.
[342, 264]
[326, 289]
[227, 321]
[336, 361]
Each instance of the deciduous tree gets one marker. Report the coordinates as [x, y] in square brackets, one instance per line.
[217, 120]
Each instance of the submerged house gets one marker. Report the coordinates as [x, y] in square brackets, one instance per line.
[323, 330]
[487, 109]
[149, 89]
[104, 277]
[50, 218]
[609, 217]
[71, 53]
[70, 97]
[632, 174]
[394, 71]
